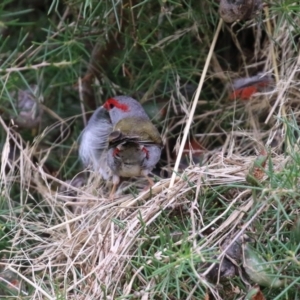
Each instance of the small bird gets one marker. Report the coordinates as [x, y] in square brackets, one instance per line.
[120, 141]
[245, 88]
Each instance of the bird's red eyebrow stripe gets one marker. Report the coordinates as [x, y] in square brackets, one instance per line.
[115, 103]
[243, 93]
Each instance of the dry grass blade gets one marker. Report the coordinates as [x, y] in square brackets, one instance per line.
[194, 105]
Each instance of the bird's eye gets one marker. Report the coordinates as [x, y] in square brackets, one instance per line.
[111, 106]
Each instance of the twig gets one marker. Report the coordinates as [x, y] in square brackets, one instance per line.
[81, 97]
[269, 30]
[273, 55]
[35, 67]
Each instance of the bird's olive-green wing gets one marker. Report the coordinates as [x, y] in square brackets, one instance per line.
[139, 127]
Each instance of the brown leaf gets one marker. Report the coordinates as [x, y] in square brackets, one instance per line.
[206, 297]
[259, 295]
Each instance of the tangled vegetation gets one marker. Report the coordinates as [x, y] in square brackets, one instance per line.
[221, 222]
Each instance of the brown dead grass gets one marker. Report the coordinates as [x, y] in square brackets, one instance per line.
[82, 245]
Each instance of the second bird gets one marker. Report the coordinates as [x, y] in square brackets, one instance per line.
[120, 141]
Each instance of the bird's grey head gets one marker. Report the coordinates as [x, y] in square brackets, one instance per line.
[120, 107]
